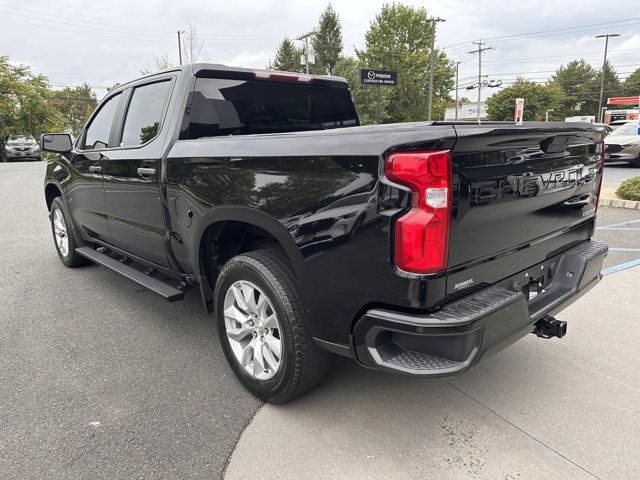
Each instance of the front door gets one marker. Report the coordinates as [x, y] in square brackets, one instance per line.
[132, 175]
[85, 194]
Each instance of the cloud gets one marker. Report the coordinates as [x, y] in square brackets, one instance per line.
[250, 59]
[114, 39]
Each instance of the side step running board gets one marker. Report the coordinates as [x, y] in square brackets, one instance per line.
[164, 290]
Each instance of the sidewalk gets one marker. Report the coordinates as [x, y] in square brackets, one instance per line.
[543, 409]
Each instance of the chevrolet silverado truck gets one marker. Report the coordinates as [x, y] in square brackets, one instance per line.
[417, 248]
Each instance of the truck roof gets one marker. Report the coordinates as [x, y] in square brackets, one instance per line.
[218, 70]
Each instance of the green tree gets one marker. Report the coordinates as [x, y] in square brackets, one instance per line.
[27, 104]
[631, 85]
[75, 104]
[365, 96]
[537, 100]
[327, 42]
[287, 57]
[576, 79]
[400, 39]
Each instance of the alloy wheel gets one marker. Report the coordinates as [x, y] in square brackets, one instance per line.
[253, 330]
[60, 232]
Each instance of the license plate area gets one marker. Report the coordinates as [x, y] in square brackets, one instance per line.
[535, 281]
[534, 288]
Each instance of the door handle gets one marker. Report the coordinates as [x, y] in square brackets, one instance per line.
[146, 172]
[95, 169]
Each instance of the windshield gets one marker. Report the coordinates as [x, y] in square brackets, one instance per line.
[626, 129]
[20, 140]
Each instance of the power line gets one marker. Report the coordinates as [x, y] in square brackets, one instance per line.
[130, 29]
[46, 14]
[632, 21]
[577, 56]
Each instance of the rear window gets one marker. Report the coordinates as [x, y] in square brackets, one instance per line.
[244, 107]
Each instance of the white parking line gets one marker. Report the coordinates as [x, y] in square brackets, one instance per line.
[607, 227]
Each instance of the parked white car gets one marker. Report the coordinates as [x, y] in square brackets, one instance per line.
[623, 144]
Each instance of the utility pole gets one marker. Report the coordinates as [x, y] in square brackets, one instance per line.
[433, 21]
[481, 48]
[457, 69]
[305, 38]
[604, 64]
[180, 32]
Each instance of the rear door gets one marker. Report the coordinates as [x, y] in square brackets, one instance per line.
[519, 186]
[132, 173]
[85, 193]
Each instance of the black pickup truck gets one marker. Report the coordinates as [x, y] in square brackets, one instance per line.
[417, 248]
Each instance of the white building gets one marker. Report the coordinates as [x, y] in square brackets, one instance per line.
[467, 111]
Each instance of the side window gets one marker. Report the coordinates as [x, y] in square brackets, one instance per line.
[97, 135]
[144, 115]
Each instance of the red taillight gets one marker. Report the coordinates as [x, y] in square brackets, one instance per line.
[422, 234]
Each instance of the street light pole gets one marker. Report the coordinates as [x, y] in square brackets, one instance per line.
[433, 21]
[546, 114]
[180, 32]
[604, 64]
[457, 69]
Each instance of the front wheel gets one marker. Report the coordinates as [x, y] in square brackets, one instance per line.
[63, 236]
[263, 330]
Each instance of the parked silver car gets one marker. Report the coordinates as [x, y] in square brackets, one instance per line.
[22, 147]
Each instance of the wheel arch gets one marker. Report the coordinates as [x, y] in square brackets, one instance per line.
[51, 191]
[242, 229]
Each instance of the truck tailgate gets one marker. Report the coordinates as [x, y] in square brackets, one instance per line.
[519, 187]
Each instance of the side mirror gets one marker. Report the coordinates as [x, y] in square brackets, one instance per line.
[56, 142]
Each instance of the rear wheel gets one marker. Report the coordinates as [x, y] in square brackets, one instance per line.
[63, 236]
[262, 328]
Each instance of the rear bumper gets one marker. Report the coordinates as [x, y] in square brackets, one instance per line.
[453, 339]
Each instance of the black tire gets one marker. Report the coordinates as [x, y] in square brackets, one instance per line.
[303, 365]
[71, 259]
[635, 162]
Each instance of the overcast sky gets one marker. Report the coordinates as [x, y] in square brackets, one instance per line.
[102, 42]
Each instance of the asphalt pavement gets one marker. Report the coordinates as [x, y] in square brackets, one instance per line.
[541, 409]
[102, 379]
[615, 173]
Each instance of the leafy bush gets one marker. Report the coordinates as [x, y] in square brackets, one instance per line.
[629, 189]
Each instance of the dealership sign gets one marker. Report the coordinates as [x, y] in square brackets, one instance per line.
[623, 101]
[378, 77]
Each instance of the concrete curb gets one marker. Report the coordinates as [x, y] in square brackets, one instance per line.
[619, 203]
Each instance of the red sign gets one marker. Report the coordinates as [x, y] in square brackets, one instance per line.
[518, 112]
[623, 100]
